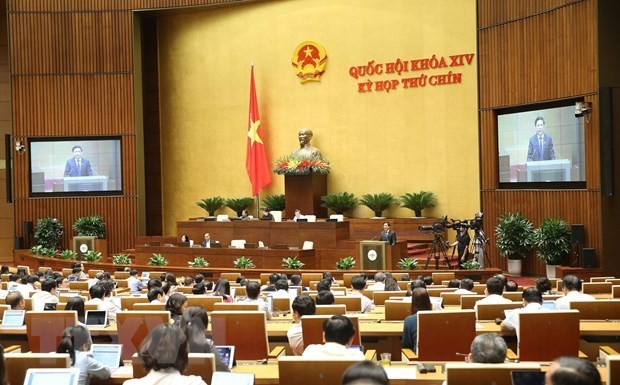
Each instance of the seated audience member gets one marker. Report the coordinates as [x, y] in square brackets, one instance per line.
[325, 298]
[153, 282]
[77, 303]
[198, 278]
[572, 292]
[266, 216]
[302, 305]
[379, 282]
[572, 371]
[488, 348]
[502, 278]
[222, 288]
[465, 287]
[428, 280]
[324, 284]
[176, 305]
[48, 294]
[171, 279]
[273, 278]
[135, 285]
[418, 283]
[493, 293]
[185, 238]
[298, 215]
[296, 281]
[327, 275]
[252, 291]
[195, 321]
[405, 277]
[338, 332]
[454, 283]
[188, 282]
[391, 284]
[239, 279]
[365, 373]
[97, 295]
[512, 286]
[281, 289]
[164, 353]
[544, 285]
[16, 300]
[62, 282]
[419, 301]
[199, 288]
[76, 342]
[156, 295]
[357, 290]
[532, 302]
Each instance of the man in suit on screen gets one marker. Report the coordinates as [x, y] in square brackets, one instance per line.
[78, 166]
[387, 234]
[541, 144]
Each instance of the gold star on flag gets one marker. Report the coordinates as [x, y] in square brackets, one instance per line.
[253, 132]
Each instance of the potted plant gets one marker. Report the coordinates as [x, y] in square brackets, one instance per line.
[552, 243]
[90, 226]
[243, 263]
[198, 262]
[42, 251]
[378, 202]
[514, 240]
[275, 202]
[418, 201]
[92, 256]
[68, 255]
[158, 260]
[48, 232]
[238, 204]
[339, 202]
[121, 259]
[292, 263]
[407, 264]
[345, 263]
[211, 205]
[471, 264]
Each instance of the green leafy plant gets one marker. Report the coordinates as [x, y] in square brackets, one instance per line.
[211, 205]
[471, 264]
[158, 260]
[302, 165]
[378, 202]
[418, 201]
[48, 232]
[408, 264]
[198, 262]
[243, 263]
[90, 226]
[552, 240]
[345, 263]
[121, 259]
[42, 251]
[275, 202]
[292, 263]
[514, 236]
[239, 204]
[92, 256]
[68, 254]
[339, 202]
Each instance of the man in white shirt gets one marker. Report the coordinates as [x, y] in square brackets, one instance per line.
[97, 296]
[572, 292]
[357, 285]
[48, 294]
[281, 286]
[379, 282]
[302, 305]
[252, 291]
[465, 287]
[298, 215]
[532, 302]
[493, 293]
[338, 332]
[135, 285]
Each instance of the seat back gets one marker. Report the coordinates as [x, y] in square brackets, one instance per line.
[492, 311]
[302, 371]
[149, 306]
[198, 364]
[3, 308]
[240, 292]
[185, 289]
[127, 301]
[93, 272]
[134, 326]
[44, 328]
[346, 278]
[458, 373]
[396, 310]
[436, 291]
[307, 277]
[16, 364]
[601, 309]
[241, 306]
[231, 328]
[600, 279]
[469, 301]
[204, 301]
[613, 369]
[330, 309]
[457, 329]
[66, 272]
[615, 291]
[352, 303]
[123, 275]
[438, 277]
[277, 216]
[231, 277]
[281, 304]
[513, 295]
[312, 329]
[546, 335]
[596, 287]
[451, 299]
[379, 297]
[78, 285]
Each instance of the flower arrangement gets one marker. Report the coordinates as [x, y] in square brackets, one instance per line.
[299, 165]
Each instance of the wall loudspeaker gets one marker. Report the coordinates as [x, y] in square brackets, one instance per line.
[577, 234]
[589, 258]
[28, 227]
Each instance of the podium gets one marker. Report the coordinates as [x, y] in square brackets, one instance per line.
[85, 183]
[373, 255]
[304, 192]
[557, 170]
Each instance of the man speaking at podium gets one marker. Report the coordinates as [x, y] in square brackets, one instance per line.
[78, 166]
[541, 145]
[387, 234]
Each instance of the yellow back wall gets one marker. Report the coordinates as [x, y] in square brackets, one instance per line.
[407, 140]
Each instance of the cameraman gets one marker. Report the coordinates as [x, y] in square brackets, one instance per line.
[462, 243]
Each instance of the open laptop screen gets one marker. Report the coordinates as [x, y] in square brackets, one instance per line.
[527, 377]
[13, 318]
[68, 376]
[225, 378]
[96, 317]
[108, 354]
[227, 352]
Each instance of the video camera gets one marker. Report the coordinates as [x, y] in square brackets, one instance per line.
[436, 226]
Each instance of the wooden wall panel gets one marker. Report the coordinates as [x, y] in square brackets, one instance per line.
[489, 13]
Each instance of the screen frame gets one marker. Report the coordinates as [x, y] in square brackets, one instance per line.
[558, 185]
[76, 139]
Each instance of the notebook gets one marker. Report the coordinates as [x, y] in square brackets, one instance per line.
[13, 318]
[226, 378]
[108, 354]
[227, 352]
[65, 376]
[96, 319]
[524, 377]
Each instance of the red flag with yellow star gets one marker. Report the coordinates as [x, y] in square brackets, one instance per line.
[256, 161]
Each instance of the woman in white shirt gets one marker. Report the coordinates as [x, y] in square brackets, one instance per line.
[76, 342]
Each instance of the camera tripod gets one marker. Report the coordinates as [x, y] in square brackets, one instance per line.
[477, 246]
[438, 250]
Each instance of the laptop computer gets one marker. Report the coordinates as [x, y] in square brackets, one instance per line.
[145, 275]
[49, 306]
[226, 378]
[227, 352]
[108, 354]
[64, 376]
[154, 243]
[302, 220]
[548, 305]
[96, 319]
[527, 377]
[215, 245]
[270, 303]
[13, 318]
[251, 245]
[183, 244]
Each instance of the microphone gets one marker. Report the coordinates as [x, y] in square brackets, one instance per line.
[498, 321]
[373, 238]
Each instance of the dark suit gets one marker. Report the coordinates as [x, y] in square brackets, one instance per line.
[204, 243]
[389, 237]
[71, 168]
[534, 152]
